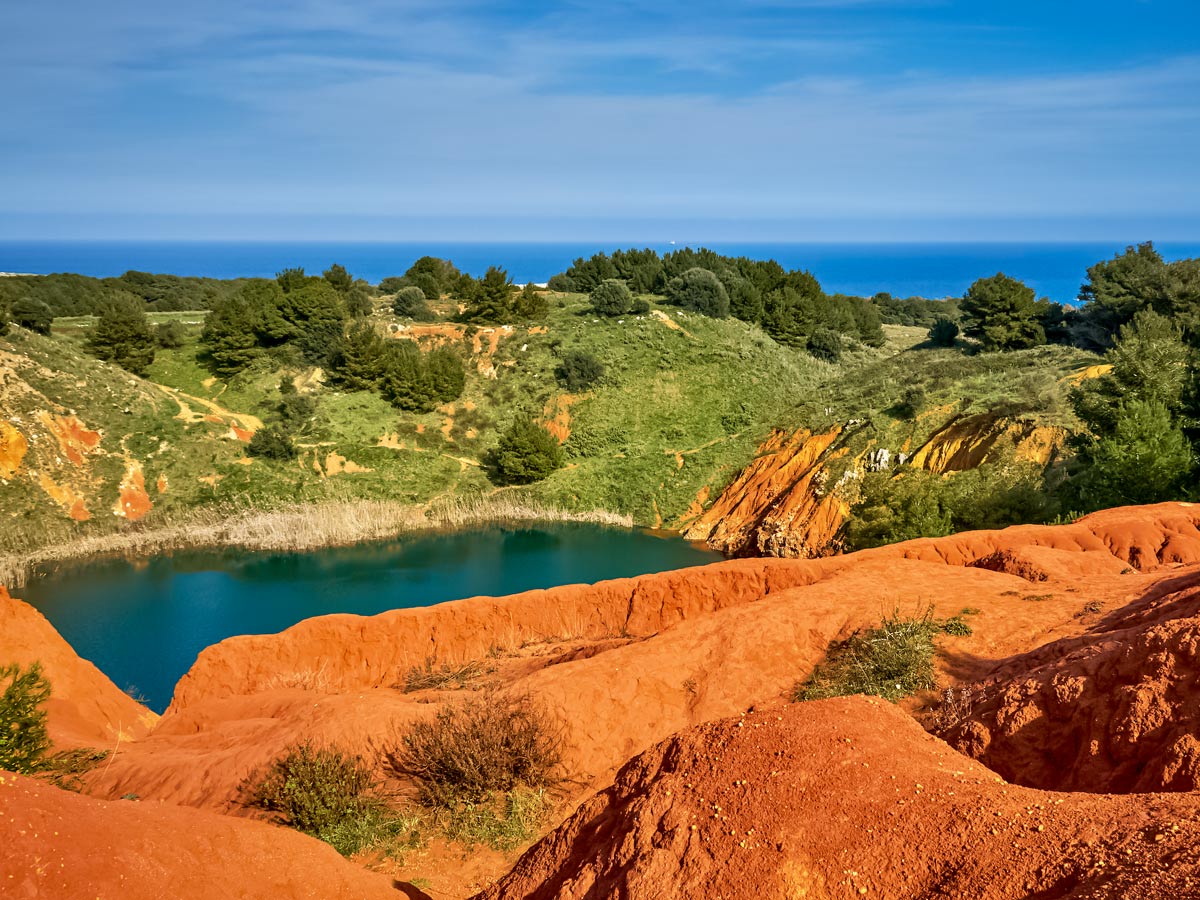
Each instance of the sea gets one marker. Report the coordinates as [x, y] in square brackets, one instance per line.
[932, 270]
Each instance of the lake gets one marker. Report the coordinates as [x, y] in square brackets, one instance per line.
[143, 622]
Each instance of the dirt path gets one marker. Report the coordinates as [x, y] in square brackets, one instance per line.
[244, 420]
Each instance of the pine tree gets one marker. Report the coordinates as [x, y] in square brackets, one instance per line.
[1003, 313]
[123, 335]
[527, 452]
[492, 303]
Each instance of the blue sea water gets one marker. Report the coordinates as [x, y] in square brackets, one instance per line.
[1054, 270]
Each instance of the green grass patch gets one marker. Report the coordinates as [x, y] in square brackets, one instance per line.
[892, 661]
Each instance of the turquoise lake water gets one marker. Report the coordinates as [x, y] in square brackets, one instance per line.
[144, 622]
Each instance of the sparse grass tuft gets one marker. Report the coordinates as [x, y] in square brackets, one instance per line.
[432, 675]
[891, 661]
[502, 823]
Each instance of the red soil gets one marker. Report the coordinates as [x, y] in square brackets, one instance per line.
[59, 845]
[849, 798]
[1114, 709]
[13, 447]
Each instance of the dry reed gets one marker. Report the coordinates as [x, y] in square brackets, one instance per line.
[292, 528]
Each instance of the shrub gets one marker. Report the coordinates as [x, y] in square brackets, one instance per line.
[486, 745]
[531, 303]
[327, 793]
[910, 402]
[170, 335]
[943, 332]
[271, 442]
[24, 741]
[32, 314]
[699, 290]
[825, 344]
[891, 661]
[611, 297]
[897, 509]
[432, 675]
[527, 452]
[640, 307]
[579, 371]
[562, 283]
[410, 302]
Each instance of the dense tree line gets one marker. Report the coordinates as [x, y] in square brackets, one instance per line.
[66, 294]
[789, 305]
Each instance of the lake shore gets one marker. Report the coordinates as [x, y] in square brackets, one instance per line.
[296, 527]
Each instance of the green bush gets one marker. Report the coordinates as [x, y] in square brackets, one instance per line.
[489, 744]
[825, 344]
[943, 332]
[327, 793]
[1003, 313]
[699, 290]
[892, 661]
[32, 314]
[611, 297]
[170, 335]
[891, 509]
[271, 442]
[24, 740]
[410, 302]
[527, 452]
[579, 371]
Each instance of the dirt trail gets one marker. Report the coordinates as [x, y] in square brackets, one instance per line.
[244, 420]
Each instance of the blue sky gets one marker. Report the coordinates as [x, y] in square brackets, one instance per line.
[452, 119]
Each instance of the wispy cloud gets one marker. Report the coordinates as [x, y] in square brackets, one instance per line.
[766, 110]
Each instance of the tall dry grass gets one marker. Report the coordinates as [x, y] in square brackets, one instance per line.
[292, 528]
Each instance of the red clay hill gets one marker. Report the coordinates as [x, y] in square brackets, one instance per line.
[1079, 676]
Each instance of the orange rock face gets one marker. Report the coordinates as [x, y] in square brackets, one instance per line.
[849, 798]
[966, 443]
[13, 447]
[61, 846]
[65, 496]
[1084, 637]
[85, 708]
[782, 504]
[776, 505]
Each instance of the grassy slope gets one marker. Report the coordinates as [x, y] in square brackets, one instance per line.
[680, 408]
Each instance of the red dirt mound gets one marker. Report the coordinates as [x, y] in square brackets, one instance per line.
[1115, 709]
[60, 845]
[849, 798]
[85, 708]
